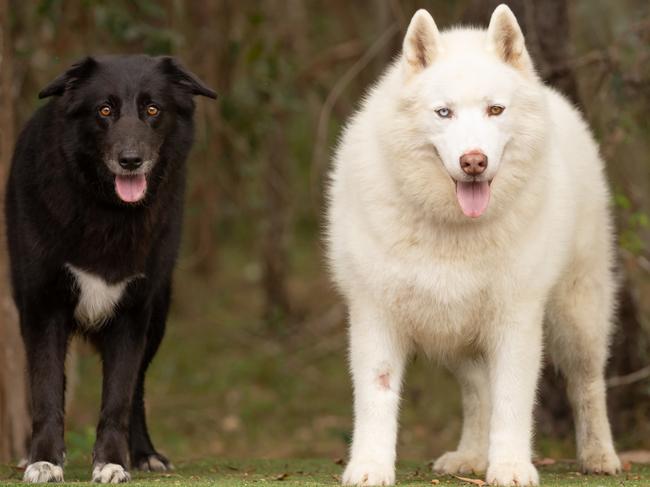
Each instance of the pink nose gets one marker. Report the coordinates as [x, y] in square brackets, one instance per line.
[473, 162]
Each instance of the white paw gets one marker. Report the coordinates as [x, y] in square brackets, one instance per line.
[520, 473]
[154, 464]
[604, 462]
[110, 473]
[369, 473]
[41, 472]
[454, 462]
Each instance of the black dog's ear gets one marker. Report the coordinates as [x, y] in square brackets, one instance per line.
[184, 78]
[76, 72]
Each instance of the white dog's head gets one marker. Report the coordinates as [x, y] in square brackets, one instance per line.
[470, 105]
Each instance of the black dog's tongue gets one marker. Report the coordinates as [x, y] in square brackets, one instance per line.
[131, 188]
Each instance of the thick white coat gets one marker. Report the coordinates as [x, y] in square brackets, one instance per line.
[473, 293]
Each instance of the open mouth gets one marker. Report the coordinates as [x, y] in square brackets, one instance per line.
[473, 197]
[131, 188]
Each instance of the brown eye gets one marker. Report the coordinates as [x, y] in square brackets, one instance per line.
[153, 110]
[105, 111]
[495, 110]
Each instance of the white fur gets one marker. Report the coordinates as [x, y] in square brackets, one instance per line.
[43, 472]
[473, 293]
[110, 473]
[97, 298]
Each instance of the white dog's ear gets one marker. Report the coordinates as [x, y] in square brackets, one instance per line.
[421, 43]
[507, 41]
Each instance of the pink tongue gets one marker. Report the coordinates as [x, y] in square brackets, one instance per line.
[131, 188]
[473, 197]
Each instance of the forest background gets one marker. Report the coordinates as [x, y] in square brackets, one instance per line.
[254, 362]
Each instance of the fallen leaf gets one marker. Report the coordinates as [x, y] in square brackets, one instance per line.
[627, 466]
[478, 482]
[339, 461]
[435, 482]
[281, 476]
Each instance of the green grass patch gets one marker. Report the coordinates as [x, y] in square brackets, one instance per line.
[324, 472]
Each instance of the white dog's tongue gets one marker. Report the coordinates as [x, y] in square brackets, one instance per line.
[131, 188]
[473, 197]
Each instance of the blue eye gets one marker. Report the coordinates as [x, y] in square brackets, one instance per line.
[443, 112]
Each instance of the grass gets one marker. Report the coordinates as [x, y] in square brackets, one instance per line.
[324, 473]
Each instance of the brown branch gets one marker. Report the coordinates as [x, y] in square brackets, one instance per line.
[627, 379]
[333, 96]
[330, 57]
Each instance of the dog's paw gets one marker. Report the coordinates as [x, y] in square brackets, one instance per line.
[42, 472]
[154, 463]
[368, 473]
[600, 462]
[519, 474]
[110, 473]
[454, 462]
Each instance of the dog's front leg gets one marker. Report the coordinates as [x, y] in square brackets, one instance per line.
[514, 363]
[377, 358]
[121, 345]
[45, 334]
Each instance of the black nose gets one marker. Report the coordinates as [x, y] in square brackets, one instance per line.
[130, 160]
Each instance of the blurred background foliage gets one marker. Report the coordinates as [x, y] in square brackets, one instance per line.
[254, 362]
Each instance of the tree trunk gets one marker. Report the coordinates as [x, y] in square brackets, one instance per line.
[14, 412]
[210, 26]
[275, 227]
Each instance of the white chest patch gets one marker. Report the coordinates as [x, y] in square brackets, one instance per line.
[97, 298]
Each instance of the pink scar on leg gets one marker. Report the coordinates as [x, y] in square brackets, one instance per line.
[384, 380]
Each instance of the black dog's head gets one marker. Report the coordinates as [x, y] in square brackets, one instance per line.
[125, 120]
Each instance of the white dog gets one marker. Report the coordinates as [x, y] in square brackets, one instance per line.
[468, 207]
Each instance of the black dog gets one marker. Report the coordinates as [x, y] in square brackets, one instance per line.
[94, 208]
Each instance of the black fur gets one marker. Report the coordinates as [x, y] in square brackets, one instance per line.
[62, 208]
